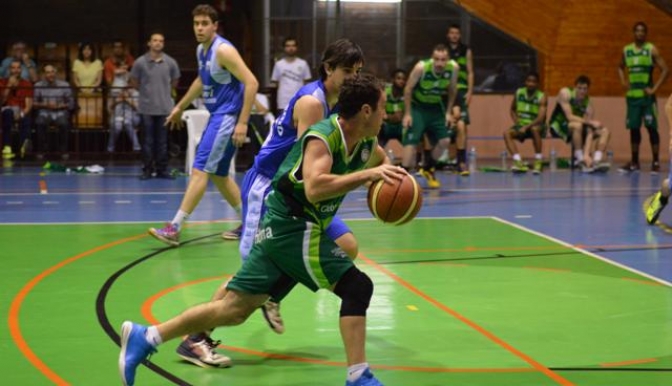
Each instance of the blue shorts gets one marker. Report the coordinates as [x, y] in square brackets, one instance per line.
[215, 151]
[253, 191]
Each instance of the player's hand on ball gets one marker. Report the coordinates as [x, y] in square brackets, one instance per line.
[387, 172]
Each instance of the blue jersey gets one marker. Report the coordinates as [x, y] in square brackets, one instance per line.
[283, 133]
[222, 92]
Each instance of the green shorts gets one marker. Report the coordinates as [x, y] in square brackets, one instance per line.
[561, 130]
[390, 131]
[461, 101]
[642, 109]
[430, 121]
[286, 251]
[522, 136]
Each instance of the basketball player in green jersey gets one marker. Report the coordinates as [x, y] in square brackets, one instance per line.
[656, 203]
[528, 110]
[462, 55]
[640, 58]
[425, 110]
[394, 109]
[572, 120]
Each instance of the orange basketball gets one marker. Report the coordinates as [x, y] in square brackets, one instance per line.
[396, 203]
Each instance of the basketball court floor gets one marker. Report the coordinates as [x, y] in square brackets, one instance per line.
[501, 280]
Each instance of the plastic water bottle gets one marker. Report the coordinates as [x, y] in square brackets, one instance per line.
[503, 157]
[472, 160]
[610, 157]
[554, 160]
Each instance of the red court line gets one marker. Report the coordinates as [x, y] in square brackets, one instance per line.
[146, 310]
[15, 309]
[538, 366]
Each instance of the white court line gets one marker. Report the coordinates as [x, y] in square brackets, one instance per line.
[87, 202]
[583, 251]
[14, 202]
[158, 201]
[122, 202]
[524, 216]
[50, 202]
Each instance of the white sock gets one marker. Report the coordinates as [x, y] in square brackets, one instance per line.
[239, 210]
[180, 216]
[537, 156]
[516, 157]
[356, 371]
[598, 156]
[153, 337]
[578, 154]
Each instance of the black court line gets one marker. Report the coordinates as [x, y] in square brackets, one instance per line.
[112, 332]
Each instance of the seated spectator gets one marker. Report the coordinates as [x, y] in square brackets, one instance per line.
[16, 99]
[87, 70]
[19, 53]
[572, 120]
[117, 67]
[123, 116]
[528, 110]
[54, 103]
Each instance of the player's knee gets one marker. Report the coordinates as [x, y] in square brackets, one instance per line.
[355, 289]
[635, 136]
[654, 137]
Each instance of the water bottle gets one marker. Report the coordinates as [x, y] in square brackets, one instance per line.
[554, 160]
[503, 157]
[472, 160]
[610, 157]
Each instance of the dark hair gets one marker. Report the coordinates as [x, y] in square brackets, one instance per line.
[289, 39]
[356, 92]
[149, 38]
[82, 46]
[396, 71]
[343, 53]
[206, 10]
[118, 40]
[534, 74]
[582, 79]
[455, 26]
[440, 47]
[640, 24]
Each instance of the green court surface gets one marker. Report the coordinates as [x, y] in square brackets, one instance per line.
[472, 301]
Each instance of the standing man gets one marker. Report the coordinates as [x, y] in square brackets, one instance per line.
[16, 99]
[53, 103]
[659, 200]
[289, 74]
[425, 110]
[640, 58]
[228, 89]
[333, 157]
[528, 111]
[155, 74]
[461, 54]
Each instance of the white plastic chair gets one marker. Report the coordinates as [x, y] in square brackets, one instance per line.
[196, 121]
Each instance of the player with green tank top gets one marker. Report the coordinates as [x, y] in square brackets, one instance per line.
[394, 108]
[425, 110]
[528, 111]
[639, 59]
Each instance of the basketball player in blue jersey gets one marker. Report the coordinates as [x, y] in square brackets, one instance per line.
[228, 89]
[658, 201]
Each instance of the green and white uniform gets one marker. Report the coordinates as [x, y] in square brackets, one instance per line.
[559, 122]
[392, 105]
[639, 62]
[291, 245]
[527, 110]
[459, 55]
[428, 109]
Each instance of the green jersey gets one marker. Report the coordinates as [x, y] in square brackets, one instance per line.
[432, 88]
[527, 107]
[459, 55]
[639, 62]
[393, 103]
[579, 108]
[289, 196]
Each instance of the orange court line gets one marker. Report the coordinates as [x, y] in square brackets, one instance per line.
[538, 366]
[630, 362]
[15, 309]
[647, 282]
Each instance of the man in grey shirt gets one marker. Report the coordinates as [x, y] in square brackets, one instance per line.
[155, 74]
[53, 102]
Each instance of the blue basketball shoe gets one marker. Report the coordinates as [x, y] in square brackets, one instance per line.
[134, 350]
[367, 379]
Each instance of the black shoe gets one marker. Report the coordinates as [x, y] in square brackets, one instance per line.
[165, 175]
[146, 175]
[655, 167]
[629, 167]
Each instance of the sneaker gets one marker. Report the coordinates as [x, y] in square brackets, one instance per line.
[271, 312]
[146, 175]
[233, 234]
[629, 168]
[519, 167]
[538, 166]
[164, 175]
[134, 350]
[585, 168]
[655, 168]
[202, 352]
[367, 379]
[7, 153]
[462, 170]
[602, 167]
[654, 208]
[169, 234]
[432, 182]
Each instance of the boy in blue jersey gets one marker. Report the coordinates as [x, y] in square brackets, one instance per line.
[658, 201]
[335, 156]
[228, 89]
